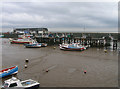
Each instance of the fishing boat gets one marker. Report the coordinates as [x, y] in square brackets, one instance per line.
[33, 44]
[16, 83]
[63, 46]
[8, 71]
[72, 47]
[20, 41]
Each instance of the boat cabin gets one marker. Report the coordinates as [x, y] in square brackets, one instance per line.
[14, 82]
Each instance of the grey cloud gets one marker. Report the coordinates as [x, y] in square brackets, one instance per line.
[57, 15]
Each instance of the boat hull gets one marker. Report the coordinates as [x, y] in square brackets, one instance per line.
[71, 49]
[10, 72]
[32, 45]
[1, 36]
[33, 87]
[19, 42]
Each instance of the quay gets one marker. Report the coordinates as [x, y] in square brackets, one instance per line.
[84, 41]
[93, 42]
[42, 35]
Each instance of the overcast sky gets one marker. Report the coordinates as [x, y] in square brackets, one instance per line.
[61, 16]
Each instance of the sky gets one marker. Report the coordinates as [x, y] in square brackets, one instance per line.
[61, 16]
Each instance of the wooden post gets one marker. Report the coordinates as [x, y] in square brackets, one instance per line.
[114, 44]
[74, 40]
[68, 40]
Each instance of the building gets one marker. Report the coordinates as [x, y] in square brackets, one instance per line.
[41, 32]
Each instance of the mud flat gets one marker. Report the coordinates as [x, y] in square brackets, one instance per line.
[65, 68]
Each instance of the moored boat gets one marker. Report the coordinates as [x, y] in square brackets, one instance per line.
[9, 71]
[20, 41]
[72, 47]
[27, 84]
[31, 45]
[35, 44]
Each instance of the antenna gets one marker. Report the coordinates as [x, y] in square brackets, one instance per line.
[84, 28]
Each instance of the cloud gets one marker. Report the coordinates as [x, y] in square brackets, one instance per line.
[60, 15]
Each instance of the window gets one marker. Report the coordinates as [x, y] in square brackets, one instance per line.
[27, 83]
[13, 85]
[6, 85]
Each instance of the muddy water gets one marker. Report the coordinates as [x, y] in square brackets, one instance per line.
[66, 68]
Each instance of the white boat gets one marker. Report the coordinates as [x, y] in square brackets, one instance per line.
[73, 46]
[63, 46]
[43, 44]
[35, 44]
[14, 82]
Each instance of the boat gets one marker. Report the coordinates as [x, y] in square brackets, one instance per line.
[43, 44]
[72, 47]
[8, 71]
[33, 44]
[20, 41]
[1, 36]
[63, 46]
[16, 83]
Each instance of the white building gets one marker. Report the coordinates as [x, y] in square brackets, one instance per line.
[42, 32]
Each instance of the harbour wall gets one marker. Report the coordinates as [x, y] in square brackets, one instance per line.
[92, 39]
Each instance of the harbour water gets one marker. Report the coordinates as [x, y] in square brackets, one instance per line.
[66, 68]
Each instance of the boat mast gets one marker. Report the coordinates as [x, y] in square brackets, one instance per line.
[83, 31]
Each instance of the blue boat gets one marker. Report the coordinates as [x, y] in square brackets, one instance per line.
[1, 36]
[33, 45]
[8, 71]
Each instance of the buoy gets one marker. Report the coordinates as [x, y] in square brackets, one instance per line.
[26, 60]
[47, 70]
[85, 72]
[25, 66]
[105, 51]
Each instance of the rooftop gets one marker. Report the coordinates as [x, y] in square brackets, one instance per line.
[31, 29]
